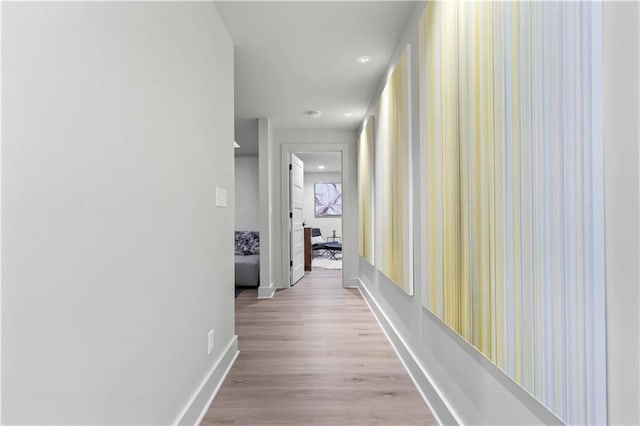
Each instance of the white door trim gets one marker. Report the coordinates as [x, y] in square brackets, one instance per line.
[349, 206]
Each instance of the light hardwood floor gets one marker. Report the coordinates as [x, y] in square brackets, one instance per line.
[314, 354]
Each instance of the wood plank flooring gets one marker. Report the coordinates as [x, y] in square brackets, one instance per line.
[314, 354]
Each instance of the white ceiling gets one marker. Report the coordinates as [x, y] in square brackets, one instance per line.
[332, 161]
[291, 57]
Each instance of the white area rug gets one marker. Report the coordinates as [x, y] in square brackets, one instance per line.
[324, 263]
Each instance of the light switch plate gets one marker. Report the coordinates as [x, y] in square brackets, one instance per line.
[221, 197]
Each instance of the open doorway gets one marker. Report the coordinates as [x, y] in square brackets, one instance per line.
[316, 208]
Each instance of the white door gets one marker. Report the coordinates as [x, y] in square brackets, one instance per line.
[296, 230]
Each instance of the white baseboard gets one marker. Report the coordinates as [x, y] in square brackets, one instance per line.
[438, 405]
[196, 407]
[353, 282]
[266, 292]
[281, 284]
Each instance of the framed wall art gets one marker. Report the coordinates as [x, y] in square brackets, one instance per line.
[327, 199]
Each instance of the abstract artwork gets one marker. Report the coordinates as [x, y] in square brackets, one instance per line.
[328, 199]
[393, 212]
[511, 136]
[365, 190]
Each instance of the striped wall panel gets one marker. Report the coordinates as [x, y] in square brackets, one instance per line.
[365, 190]
[393, 227]
[511, 130]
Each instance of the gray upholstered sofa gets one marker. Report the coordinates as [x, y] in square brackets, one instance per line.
[247, 260]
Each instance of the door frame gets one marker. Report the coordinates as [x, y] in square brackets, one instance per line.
[349, 207]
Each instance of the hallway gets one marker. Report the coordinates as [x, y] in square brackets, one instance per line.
[314, 354]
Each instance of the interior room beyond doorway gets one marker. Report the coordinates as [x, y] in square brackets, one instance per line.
[322, 210]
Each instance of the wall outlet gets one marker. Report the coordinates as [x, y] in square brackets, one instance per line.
[210, 342]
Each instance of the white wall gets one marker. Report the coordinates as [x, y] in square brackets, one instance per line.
[621, 138]
[117, 125]
[247, 194]
[246, 135]
[265, 160]
[326, 224]
[453, 374]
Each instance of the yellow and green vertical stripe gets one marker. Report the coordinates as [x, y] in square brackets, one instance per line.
[512, 135]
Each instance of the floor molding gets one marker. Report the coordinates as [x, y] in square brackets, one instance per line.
[438, 405]
[352, 282]
[266, 292]
[278, 284]
[196, 408]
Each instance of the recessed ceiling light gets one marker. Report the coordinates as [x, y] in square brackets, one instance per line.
[314, 114]
[363, 59]
[321, 167]
[348, 114]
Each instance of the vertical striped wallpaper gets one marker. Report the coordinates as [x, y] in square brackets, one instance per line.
[365, 191]
[393, 237]
[511, 130]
